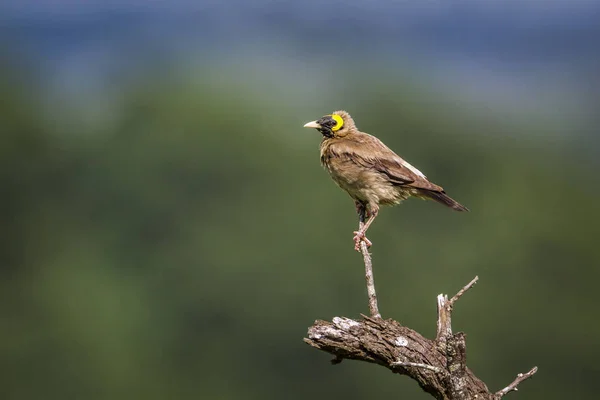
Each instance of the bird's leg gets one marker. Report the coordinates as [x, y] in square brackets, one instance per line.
[361, 210]
[362, 225]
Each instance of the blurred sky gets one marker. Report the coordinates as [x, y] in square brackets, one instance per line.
[541, 54]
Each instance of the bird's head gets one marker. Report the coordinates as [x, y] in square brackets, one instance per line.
[336, 124]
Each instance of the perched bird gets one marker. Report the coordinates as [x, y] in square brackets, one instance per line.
[370, 172]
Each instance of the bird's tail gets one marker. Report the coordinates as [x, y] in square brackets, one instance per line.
[444, 199]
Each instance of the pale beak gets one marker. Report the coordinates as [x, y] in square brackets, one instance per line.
[312, 124]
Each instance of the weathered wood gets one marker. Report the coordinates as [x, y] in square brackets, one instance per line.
[438, 366]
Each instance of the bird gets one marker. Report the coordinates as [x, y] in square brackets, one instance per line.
[370, 172]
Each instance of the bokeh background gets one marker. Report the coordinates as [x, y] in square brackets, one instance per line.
[167, 231]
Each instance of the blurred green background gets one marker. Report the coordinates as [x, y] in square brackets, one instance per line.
[171, 234]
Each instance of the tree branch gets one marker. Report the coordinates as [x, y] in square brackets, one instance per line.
[438, 366]
[513, 386]
[463, 290]
[373, 308]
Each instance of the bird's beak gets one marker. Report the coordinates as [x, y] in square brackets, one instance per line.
[312, 124]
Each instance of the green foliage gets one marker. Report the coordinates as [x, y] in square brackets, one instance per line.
[182, 250]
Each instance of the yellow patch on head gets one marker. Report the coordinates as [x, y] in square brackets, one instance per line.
[339, 122]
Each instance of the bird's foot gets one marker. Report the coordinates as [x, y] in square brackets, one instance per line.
[360, 237]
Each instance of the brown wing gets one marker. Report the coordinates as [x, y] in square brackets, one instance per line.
[370, 152]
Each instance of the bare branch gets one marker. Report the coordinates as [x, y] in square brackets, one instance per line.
[386, 342]
[373, 308]
[513, 386]
[463, 290]
[444, 306]
[444, 327]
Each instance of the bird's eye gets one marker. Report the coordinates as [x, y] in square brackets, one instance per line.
[339, 122]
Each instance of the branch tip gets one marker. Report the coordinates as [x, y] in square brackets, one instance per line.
[463, 290]
[513, 386]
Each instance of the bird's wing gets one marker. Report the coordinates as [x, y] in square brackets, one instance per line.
[370, 152]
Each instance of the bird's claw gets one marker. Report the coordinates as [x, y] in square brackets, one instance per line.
[360, 237]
